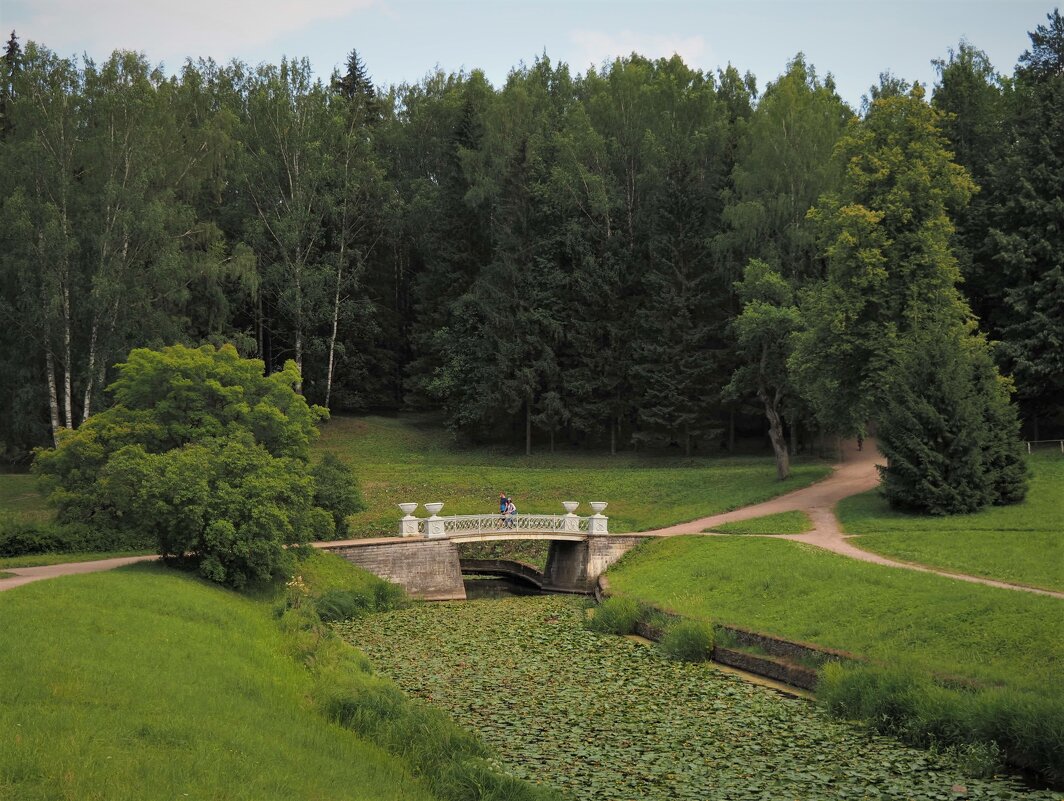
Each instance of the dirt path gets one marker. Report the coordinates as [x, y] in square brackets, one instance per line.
[855, 473]
[24, 575]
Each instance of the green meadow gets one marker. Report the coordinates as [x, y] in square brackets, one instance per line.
[1021, 544]
[413, 459]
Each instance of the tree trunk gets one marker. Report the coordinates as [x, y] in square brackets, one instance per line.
[332, 336]
[528, 428]
[686, 441]
[613, 436]
[53, 399]
[258, 326]
[299, 357]
[731, 431]
[779, 444]
[794, 439]
[90, 373]
[552, 441]
[68, 362]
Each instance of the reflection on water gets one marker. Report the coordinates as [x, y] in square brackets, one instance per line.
[479, 587]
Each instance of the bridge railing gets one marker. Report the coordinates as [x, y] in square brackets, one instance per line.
[437, 526]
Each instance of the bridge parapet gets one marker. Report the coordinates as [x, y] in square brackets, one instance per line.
[436, 526]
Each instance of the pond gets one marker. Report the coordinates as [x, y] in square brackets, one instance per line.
[608, 718]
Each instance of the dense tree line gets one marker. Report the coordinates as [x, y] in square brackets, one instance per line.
[626, 257]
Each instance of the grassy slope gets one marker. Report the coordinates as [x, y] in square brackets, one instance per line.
[797, 591]
[20, 499]
[145, 683]
[406, 460]
[796, 522]
[1022, 543]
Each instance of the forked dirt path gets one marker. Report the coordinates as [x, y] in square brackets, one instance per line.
[854, 474]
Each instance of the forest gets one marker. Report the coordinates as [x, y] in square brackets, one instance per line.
[631, 257]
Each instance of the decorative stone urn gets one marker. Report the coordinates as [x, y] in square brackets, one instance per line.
[408, 525]
[434, 525]
[570, 522]
[597, 523]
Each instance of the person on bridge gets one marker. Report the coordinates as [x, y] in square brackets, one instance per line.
[511, 513]
[503, 503]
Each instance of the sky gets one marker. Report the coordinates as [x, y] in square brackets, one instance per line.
[403, 40]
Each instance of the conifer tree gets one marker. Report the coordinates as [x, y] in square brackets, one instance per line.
[9, 71]
[1026, 234]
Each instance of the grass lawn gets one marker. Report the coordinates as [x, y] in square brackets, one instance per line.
[898, 616]
[1023, 543]
[145, 683]
[796, 522]
[20, 499]
[413, 459]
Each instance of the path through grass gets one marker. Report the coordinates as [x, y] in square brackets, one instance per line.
[1023, 543]
[410, 459]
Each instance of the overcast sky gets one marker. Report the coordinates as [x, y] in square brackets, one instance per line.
[402, 40]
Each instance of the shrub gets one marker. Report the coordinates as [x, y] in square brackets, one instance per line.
[976, 725]
[208, 453]
[615, 615]
[336, 491]
[21, 538]
[688, 641]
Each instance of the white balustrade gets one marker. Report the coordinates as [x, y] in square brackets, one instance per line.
[498, 523]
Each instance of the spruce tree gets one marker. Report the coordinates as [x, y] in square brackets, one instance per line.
[948, 429]
[1026, 235]
[930, 430]
[9, 71]
[356, 86]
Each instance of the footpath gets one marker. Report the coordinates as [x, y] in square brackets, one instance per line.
[855, 473]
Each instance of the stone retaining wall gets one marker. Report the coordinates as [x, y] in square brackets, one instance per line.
[773, 665]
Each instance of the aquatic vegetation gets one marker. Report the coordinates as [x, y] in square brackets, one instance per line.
[604, 717]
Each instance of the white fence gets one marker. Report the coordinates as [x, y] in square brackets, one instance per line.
[1045, 444]
[457, 525]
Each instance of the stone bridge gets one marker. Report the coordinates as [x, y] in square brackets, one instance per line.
[425, 561]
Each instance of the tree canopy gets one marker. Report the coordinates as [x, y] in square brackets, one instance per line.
[558, 258]
[209, 453]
